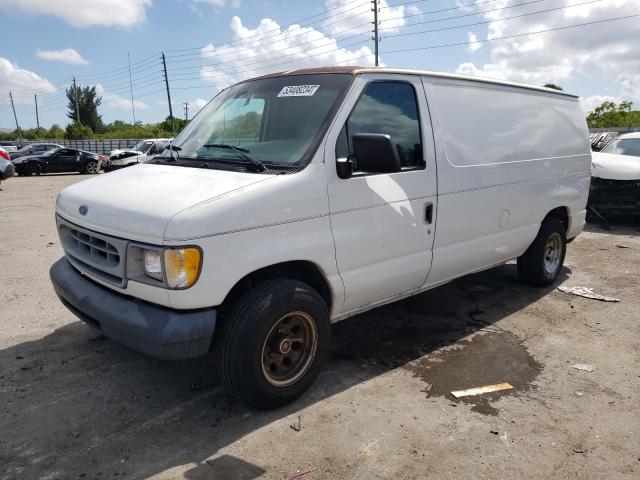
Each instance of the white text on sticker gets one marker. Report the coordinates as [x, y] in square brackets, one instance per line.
[298, 91]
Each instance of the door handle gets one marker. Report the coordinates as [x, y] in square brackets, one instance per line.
[428, 213]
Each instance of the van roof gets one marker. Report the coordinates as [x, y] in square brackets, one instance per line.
[355, 70]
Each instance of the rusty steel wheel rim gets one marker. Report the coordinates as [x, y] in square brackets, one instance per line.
[552, 254]
[289, 349]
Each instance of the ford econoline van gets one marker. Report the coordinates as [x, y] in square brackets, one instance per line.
[302, 198]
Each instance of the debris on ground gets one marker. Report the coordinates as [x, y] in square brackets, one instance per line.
[297, 427]
[579, 450]
[298, 475]
[587, 292]
[578, 393]
[480, 390]
[495, 432]
[621, 245]
[584, 366]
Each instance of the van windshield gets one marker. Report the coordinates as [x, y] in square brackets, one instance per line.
[624, 146]
[277, 121]
[142, 146]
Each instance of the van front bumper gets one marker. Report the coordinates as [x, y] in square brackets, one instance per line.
[156, 331]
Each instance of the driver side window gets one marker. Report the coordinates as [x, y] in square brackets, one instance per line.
[388, 108]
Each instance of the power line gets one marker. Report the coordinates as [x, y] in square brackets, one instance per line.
[294, 54]
[513, 36]
[491, 21]
[279, 29]
[522, 4]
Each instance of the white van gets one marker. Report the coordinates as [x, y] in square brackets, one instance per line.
[302, 198]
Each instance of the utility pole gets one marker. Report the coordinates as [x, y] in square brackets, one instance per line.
[75, 94]
[186, 110]
[166, 81]
[133, 110]
[375, 28]
[35, 98]
[15, 117]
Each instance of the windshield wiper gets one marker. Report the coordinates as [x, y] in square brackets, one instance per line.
[174, 148]
[240, 152]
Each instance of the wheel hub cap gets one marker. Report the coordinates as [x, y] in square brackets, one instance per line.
[552, 254]
[289, 349]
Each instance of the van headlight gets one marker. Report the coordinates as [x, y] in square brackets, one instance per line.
[180, 266]
[153, 264]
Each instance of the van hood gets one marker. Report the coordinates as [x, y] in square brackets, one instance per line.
[611, 166]
[137, 202]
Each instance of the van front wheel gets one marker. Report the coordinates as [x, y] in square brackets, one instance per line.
[273, 342]
[541, 264]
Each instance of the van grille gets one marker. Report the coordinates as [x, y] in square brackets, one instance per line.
[100, 255]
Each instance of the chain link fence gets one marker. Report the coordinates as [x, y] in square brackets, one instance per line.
[96, 146]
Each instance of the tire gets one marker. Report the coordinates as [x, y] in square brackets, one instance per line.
[31, 169]
[254, 341]
[91, 168]
[541, 264]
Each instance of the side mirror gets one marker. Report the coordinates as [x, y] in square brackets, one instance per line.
[344, 167]
[376, 153]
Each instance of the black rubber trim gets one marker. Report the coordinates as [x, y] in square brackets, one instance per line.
[156, 331]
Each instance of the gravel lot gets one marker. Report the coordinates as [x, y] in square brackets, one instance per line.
[76, 406]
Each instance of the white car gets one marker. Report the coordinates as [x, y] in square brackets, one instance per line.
[139, 153]
[615, 187]
[299, 199]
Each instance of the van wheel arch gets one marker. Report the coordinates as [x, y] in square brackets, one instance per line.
[301, 270]
[562, 214]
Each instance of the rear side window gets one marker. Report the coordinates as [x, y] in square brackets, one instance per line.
[389, 108]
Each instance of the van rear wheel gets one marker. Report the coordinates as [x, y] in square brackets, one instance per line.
[541, 264]
[272, 344]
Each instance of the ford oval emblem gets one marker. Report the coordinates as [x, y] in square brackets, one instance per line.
[83, 209]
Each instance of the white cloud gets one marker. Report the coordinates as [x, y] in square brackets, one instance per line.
[349, 18]
[67, 55]
[270, 48]
[85, 13]
[116, 101]
[21, 83]
[474, 45]
[196, 104]
[609, 50]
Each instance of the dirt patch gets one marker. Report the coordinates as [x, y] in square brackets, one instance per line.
[482, 359]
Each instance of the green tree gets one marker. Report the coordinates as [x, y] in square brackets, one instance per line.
[245, 126]
[166, 125]
[88, 103]
[55, 131]
[78, 131]
[553, 85]
[610, 114]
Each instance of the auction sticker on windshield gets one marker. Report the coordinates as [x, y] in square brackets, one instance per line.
[298, 91]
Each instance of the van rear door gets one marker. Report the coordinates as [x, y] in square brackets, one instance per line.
[383, 223]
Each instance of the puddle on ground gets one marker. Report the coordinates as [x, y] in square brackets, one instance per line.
[476, 361]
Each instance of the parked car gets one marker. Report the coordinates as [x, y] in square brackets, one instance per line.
[7, 168]
[34, 149]
[615, 183]
[299, 199]
[58, 160]
[141, 152]
[626, 144]
[9, 146]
